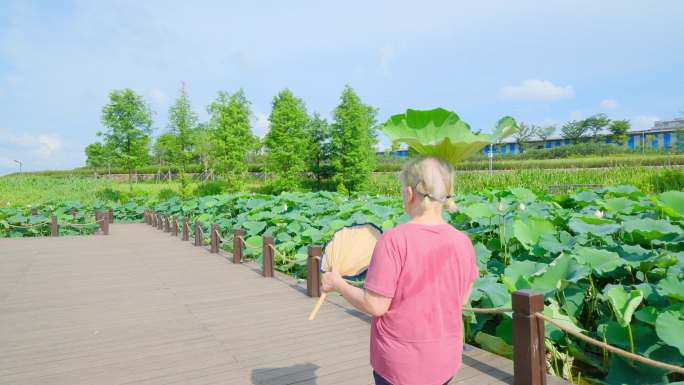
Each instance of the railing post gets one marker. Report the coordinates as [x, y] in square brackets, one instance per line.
[105, 223]
[145, 216]
[100, 218]
[166, 223]
[198, 233]
[153, 219]
[34, 211]
[111, 215]
[529, 356]
[267, 252]
[313, 276]
[160, 221]
[214, 239]
[237, 245]
[54, 229]
[186, 230]
[73, 214]
[174, 226]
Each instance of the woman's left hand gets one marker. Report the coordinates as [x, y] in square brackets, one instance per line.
[331, 281]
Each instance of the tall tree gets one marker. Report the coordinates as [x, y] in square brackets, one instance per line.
[524, 134]
[353, 139]
[286, 140]
[595, 124]
[544, 133]
[165, 150]
[318, 132]
[232, 136]
[618, 131]
[182, 122]
[96, 155]
[128, 120]
[203, 141]
[573, 130]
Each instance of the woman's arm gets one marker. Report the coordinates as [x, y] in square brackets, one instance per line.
[364, 300]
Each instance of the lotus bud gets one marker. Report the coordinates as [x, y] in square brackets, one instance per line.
[522, 206]
[285, 206]
[599, 214]
[501, 206]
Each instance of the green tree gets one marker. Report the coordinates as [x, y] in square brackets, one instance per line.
[544, 133]
[96, 155]
[524, 134]
[128, 120]
[182, 123]
[318, 132]
[232, 136]
[286, 140]
[618, 131]
[573, 130]
[353, 138]
[595, 124]
[165, 149]
[202, 137]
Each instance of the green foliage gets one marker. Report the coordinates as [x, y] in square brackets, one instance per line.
[209, 188]
[128, 120]
[108, 195]
[165, 150]
[544, 133]
[352, 141]
[166, 194]
[524, 133]
[97, 155]
[232, 136]
[618, 131]
[595, 124]
[319, 159]
[668, 180]
[442, 133]
[573, 130]
[182, 123]
[287, 142]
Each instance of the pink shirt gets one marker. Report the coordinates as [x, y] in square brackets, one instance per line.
[426, 270]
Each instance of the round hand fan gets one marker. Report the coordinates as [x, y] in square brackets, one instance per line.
[350, 250]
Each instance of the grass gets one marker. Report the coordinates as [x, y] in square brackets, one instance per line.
[32, 189]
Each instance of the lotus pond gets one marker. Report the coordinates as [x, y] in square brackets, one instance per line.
[610, 262]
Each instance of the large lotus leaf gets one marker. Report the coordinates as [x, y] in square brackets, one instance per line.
[584, 196]
[623, 302]
[442, 133]
[523, 194]
[670, 326]
[635, 254]
[573, 296]
[520, 270]
[672, 287]
[673, 202]
[647, 315]
[552, 310]
[560, 271]
[651, 228]
[530, 231]
[601, 261]
[624, 372]
[593, 225]
[496, 345]
[482, 255]
[479, 211]
[620, 205]
[494, 291]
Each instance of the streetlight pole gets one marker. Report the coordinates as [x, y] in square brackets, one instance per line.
[19, 163]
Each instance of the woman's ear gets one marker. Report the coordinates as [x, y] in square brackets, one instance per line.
[409, 194]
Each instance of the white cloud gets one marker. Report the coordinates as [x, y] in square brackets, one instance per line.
[609, 104]
[260, 124]
[643, 122]
[42, 145]
[534, 89]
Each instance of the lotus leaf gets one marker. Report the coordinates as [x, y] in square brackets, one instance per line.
[600, 261]
[672, 287]
[623, 302]
[442, 133]
[529, 232]
[673, 203]
[670, 326]
[494, 344]
[556, 275]
[651, 228]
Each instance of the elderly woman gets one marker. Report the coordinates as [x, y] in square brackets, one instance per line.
[420, 276]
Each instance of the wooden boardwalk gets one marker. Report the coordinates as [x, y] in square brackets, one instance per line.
[140, 307]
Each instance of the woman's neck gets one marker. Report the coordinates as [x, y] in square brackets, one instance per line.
[429, 217]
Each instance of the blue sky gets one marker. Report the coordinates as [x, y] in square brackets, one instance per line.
[543, 62]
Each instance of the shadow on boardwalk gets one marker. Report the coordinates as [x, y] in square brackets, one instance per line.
[288, 374]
